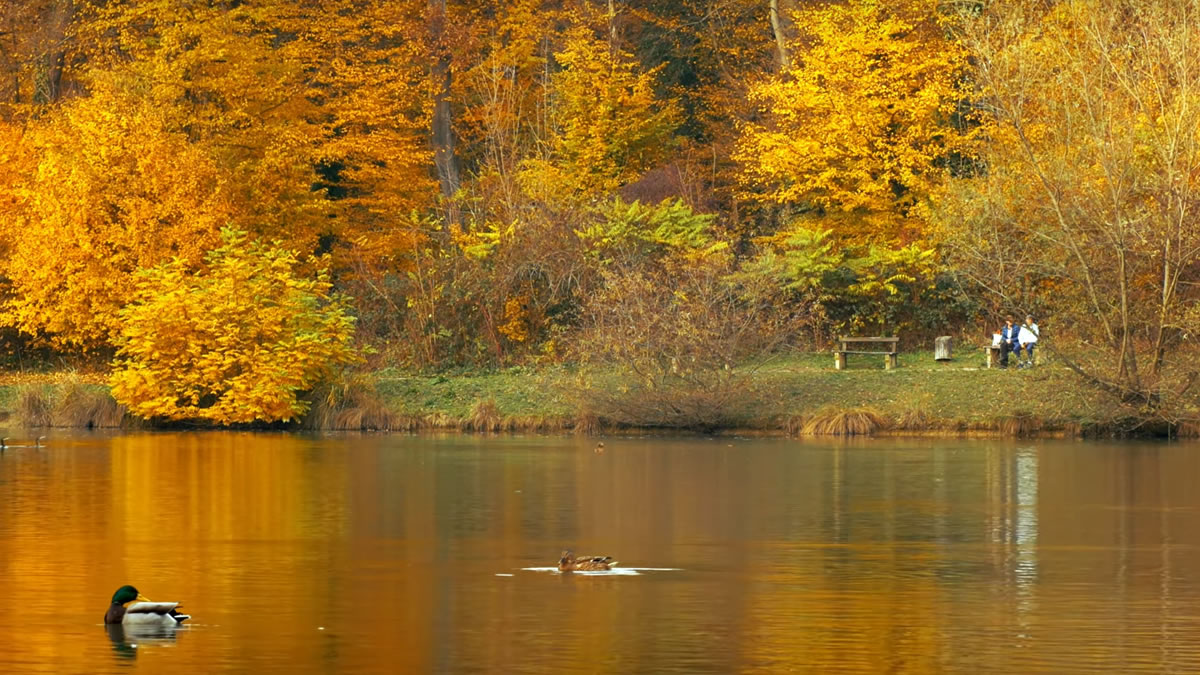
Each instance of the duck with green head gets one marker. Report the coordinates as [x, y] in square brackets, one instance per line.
[143, 612]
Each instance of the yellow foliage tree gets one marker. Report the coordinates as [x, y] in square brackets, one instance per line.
[316, 110]
[236, 342]
[860, 126]
[609, 126]
[106, 188]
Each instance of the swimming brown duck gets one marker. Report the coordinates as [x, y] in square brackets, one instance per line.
[569, 562]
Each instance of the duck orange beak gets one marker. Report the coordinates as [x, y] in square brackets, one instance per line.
[142, 598]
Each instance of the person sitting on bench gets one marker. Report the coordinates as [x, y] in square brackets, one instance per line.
[1008, 341]
[1027, 337]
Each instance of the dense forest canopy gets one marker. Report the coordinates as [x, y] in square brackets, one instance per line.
[494, 183]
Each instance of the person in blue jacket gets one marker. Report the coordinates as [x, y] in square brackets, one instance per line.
[1008, 341]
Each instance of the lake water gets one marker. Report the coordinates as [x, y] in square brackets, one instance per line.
[408, 554]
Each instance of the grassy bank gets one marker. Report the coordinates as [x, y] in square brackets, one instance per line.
[801, 394]
[795, 393]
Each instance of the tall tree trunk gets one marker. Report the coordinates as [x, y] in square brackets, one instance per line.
[48, 68]
[612, 27]
[443, 132]
[778, 27]
[47, 85]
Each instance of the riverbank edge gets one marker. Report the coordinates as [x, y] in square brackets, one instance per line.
[795, 397]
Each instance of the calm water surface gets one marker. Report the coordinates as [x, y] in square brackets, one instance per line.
[392, 554]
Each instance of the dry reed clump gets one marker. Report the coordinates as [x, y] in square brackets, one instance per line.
[485, 416]
[409, 423]
[441, 420]
[1072, 429]
[839, 422]
[34, 407]
[1020, 425]
[587, 423]
[915, 419]
[83, 407]
[350, 404]
[793, 425]
[540, 424]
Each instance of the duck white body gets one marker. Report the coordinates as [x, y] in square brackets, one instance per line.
[153, 614]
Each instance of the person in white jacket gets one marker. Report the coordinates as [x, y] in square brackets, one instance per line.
[1026, 339]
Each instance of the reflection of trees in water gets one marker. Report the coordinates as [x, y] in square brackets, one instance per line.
[875, 553]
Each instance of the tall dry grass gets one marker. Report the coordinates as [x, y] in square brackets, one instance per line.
[83, 407]
[1021, 424]
[72, 404]
[34, 407]
[915, 419]
[351, 403]
[844, 422]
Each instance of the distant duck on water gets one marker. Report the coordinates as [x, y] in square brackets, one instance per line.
[143, 612]
[5, 445]
[568, 562]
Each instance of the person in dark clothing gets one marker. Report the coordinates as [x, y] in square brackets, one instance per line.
[1008, 341]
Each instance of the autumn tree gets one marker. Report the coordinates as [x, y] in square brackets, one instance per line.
[1085, 212]
[607, 124]
[107, 188]
[238, 341]
[316, 110]
[36, 52]
[859, 129]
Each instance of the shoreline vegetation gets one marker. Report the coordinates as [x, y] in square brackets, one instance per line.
[489, 218]
[797, 395]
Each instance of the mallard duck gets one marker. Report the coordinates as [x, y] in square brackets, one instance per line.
[143, 612]
[588, 563]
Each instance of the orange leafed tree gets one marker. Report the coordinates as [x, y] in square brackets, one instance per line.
[316, 110]
[107, 188]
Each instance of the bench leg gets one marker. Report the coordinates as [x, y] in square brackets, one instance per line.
[991, 357]
[891, 362]
[839, 360]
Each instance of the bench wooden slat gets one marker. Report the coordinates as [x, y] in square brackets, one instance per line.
[869, 339]
[851, 351]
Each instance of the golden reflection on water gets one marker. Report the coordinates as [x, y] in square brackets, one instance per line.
[381, 554]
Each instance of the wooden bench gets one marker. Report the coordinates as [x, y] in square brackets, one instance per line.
[846, 346]
[993, 355]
